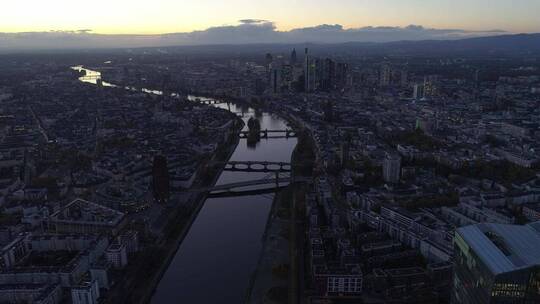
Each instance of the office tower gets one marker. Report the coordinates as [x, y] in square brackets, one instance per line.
[267, 64]
[313, 66]
[287, 75]
[294, 58]
[275, 78]
[325, 74]
[345, 149]
[269, 59]
[430, 88]
[418, 92]
[342, 70]
[391, 168]
[385, 75]
[160, 179]
[307, 71]
[497, 263]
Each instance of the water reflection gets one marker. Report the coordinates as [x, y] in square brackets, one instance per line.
[93, 77]
[217, 258]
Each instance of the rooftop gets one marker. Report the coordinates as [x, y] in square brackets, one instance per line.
[86, 212]
[502, 247]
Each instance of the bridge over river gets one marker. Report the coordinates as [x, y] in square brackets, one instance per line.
[287, 133]
[254, 166]
[255, 182]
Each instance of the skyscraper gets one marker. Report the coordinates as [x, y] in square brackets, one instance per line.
[497, 263]
[268, 65]
[307, 71]
[385, 75]
[430, 88]
[325, 71]
[418, 91]
[160, 179]
[342, 70]
[391, 168]
[268, 59]
[294, 58]
[275, 78]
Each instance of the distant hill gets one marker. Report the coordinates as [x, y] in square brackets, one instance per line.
[502, 45]
[506, 44]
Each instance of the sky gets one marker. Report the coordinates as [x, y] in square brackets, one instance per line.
[171, 16]
[49, 24]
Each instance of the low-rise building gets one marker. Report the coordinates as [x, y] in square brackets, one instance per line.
[532, 212]
[84, 217]
[117, 255]
[30, 293]
[14, 251]
[338, 281]
[86, 293]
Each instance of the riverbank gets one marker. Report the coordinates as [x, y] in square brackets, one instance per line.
[279, 275]
[155, 260]
[184, 226]
[269, 283]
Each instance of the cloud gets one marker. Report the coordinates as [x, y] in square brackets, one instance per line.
[245, 32]
[253, 21]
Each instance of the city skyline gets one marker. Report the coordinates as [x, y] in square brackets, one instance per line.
[165, 16]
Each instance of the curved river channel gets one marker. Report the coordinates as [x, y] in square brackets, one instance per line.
[217, 258]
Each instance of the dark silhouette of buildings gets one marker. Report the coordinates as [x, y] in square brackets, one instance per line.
[160, 179]
[294, 58]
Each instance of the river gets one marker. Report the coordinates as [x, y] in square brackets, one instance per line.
[215, 261]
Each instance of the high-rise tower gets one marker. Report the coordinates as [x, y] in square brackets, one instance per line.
[294, 58]
[307, 71]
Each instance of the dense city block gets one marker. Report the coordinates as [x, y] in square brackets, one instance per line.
[413, 174]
